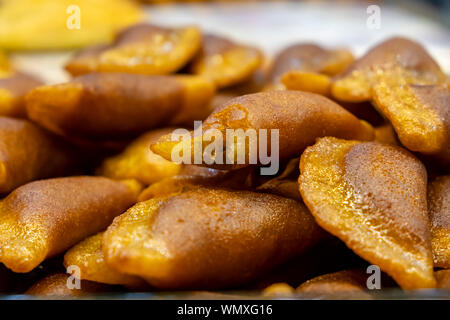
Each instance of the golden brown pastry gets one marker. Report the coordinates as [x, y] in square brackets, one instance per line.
[88, 257]
[57, 285]
[63, 24]
[420, 114]
[299, 117]
[43, 218]
[443, 279]
[346, 281]
[385, 134]
[307, 81]
[277, 289]
[439, 209]
[208, 238]
[192, 176]
[310, 58]
[102, 106]
[225, 62]
[355, 84]
[13, 87]
[142, 48]
[28, 153]
[373, 197]
[138, 162]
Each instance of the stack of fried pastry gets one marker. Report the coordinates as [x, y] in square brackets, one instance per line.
[93, 203]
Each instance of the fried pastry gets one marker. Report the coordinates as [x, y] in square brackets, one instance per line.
[43, 218]
[373, 197]
[225, 62]
[278, 289]
[13, 88]
[208, 238]
[138, 162]
[192, 176]
[307, 81]
[57, 285]
[106, 106]
[142, 48]
[439, 210]
[355, 84]
[443, 279]
[385, 134]
[28, 153]
[298, 117]
[88, 257]
[310, 58]
[63, 24]
[420, 114]
[338, 282]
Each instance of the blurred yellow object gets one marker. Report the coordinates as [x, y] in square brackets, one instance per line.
[142, 48]
[4, 65]
[307, 81]
[62, 24]
[138, 162]
[225, 62]
[278, 289]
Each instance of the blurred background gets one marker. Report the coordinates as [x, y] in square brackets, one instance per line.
[35, 34]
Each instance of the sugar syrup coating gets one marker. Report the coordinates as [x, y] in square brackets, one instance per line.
[439, 210]
[355, 84]
[299, 117]
[225, 62]
[372, 197]
[107, 106]
[138, 162]
[143, 49]
[208, 238]
[418, 113]
[44, 218]
[88, 257]
[28, 153]
[13, 88]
